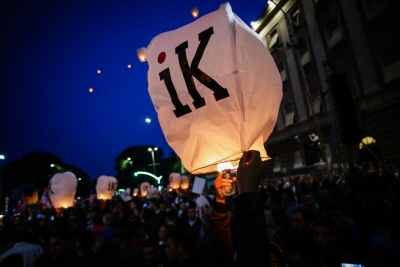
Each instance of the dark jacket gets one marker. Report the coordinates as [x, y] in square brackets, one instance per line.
[250, 229]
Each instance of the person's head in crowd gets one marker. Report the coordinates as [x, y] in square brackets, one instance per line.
[339, 215]
[206, 221]
[136, 211]
[274, 201]
[172, 217]
[123, 214]
[277, 218]
[58, 243]
[84, 243]
[146, 215]
[324, 233]
[163, 206]
[191, 211]
[120, 238]
[324, 196]
[151, 252]
[108, 219]
[162, 232]
[98, 220]
[289, 243]
[182, 206]
[301, 218]
[277, 258]
[135, 202]
[288, 197]
[155, 204]
[309, 200]
[175, 242]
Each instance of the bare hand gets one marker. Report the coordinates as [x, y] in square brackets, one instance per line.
[219, 182]
[249, 173]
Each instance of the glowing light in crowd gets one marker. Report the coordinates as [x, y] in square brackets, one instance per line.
[98, 71]
[129, 66]
[91, 89]
[148, 120]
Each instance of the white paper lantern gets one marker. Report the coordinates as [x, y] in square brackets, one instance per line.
[141, 53]
[143, 188]
[62, 188]
[175, 180]
[135, 192]
[195, 12]
[106, 187]
[184, 182]
[235, 90]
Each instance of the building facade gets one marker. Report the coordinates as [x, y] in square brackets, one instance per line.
[329, 51]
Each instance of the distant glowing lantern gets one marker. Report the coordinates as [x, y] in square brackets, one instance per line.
[143, 188]
[195, 12]
[216, 90]
[106, 187]
[141, 53]
[129, 66]
[184, 182]
[91, 90]
[62, 188]
[175, 180]
[98, 71]
[135, 192]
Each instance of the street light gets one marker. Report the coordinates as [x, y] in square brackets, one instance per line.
[2, 157]
[152, 157]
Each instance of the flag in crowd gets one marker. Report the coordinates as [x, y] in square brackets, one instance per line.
[45, 200]
[33, 199]
[21, 203]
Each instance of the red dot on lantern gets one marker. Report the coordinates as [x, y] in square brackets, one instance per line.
[161, 57]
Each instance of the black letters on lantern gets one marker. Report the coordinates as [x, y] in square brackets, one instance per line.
[189, 73]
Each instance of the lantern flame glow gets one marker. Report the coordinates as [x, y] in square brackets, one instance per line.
[142, 54]
[226, 166]
[195, 12]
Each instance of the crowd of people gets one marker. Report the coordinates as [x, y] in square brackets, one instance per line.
[313, 220]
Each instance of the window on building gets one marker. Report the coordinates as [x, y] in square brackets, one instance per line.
[375, 7]
[296, 17]
[282, 71]
[298, 160]
[316, 100]
[289, 114]
[277, 165]
[391, 64]
[274, 39]
[333, 32]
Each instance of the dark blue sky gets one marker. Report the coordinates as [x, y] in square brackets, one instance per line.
[50, 51]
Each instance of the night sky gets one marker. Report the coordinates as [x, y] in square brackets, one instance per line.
[50, 51]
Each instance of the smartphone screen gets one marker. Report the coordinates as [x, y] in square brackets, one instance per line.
[351, 265]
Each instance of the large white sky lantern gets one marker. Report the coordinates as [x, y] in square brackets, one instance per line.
[106, 187]
[175, 180]
[62, 188]
[216, 90]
